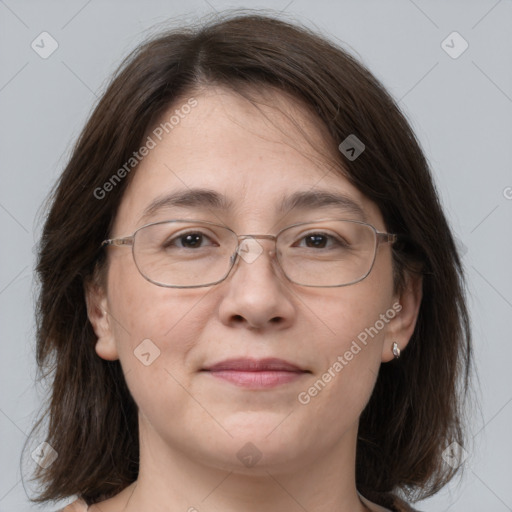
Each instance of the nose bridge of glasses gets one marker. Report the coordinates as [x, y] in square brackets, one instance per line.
[245, 240]
[267, 237]
[249, 248]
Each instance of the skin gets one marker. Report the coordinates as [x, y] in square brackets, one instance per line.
[192, 424]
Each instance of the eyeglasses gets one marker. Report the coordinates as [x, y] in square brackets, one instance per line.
[191, 254]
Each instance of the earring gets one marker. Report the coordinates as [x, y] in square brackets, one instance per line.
[396, 350]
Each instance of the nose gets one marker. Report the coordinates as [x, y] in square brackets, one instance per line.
[256, 295]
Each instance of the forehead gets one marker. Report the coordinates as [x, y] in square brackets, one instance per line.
[253, 157]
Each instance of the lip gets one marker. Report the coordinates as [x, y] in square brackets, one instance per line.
[247, 364]
[256, 373]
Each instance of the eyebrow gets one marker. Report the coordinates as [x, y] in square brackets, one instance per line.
[190, 198]
[202, 198]
[321, 199]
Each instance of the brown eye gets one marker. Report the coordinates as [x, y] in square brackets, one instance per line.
[190, 240]
[316, 241]
[321, 241]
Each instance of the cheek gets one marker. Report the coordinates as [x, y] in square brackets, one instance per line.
[142, 310]
[356, 326]
[340, 388]
[153, 352]
[355, 313]
[154, 328]
[352, 324]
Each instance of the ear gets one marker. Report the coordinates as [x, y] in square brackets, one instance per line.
[407, 304]
[97, 311]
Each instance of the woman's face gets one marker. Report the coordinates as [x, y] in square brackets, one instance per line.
[165, 338]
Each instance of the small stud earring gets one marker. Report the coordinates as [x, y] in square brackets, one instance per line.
[396, 350]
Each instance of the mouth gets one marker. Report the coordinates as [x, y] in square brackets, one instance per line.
[256, 373]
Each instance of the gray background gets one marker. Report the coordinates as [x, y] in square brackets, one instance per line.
[460, 108]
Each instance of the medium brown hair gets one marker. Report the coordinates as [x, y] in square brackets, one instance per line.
[416, 409]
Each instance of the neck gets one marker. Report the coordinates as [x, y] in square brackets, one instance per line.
[174, 477]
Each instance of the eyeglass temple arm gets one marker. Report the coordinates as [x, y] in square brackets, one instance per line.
[118, 241]
[386, 237]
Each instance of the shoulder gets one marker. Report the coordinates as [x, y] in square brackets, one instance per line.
[387, 502]
[397, 505]
[401, 506]
[76, 506]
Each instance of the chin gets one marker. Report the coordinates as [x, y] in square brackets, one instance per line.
[263, 425]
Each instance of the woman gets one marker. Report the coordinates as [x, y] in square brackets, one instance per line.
[250, 296]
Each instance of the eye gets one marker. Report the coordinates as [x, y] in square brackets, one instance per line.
[188, 240]
[321, 240]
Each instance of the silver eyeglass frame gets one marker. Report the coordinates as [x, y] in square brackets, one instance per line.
[380, 238]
